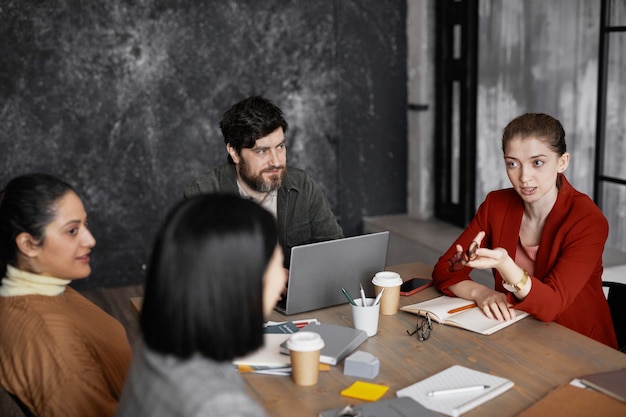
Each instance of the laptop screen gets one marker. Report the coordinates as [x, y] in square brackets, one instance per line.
[318, 271]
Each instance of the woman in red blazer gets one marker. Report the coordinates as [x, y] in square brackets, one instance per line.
[542, 238]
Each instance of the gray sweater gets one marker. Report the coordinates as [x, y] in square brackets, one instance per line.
[166, 386]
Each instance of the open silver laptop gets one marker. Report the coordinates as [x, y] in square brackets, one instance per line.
[318, 271]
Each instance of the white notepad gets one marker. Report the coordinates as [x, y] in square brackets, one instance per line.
[455, 377]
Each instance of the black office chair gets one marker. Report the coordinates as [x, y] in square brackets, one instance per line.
[617, 304]
[22, 406]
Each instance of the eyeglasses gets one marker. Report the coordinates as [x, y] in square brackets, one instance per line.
[459, 259]
[423, 328]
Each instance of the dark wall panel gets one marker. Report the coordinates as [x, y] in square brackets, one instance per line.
[123, 100]
[372, 106]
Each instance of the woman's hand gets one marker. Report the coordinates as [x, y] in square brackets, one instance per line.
[499, 259]
[488, 258]
[492, 303]
[484, 258]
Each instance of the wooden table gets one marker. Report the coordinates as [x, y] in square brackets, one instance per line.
[538, 357]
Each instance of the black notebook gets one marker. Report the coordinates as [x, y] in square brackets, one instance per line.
[339, 341]
[395, 407]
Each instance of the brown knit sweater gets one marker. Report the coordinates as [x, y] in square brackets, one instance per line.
[62, 355]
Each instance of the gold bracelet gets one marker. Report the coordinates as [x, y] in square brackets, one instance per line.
[517, 287]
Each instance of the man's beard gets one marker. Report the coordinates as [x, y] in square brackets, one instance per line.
[256, 182]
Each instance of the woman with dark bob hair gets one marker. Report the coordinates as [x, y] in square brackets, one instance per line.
[214, 277]
[60, 354]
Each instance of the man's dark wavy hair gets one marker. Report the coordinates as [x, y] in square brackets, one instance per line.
[250, 119]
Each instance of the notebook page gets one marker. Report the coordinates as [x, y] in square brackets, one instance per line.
[476, 321]
[268, 354]
[438, 307]
[455, 377]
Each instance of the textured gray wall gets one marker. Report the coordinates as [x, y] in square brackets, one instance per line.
[537, 56]
[534, 55]
[542, 56]
[123, 100]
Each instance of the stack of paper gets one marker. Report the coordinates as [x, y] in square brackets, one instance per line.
[268, 359]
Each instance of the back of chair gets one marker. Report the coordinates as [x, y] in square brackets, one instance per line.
[22, 406]
[617, 304]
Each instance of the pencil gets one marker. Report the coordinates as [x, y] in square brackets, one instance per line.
[467, 307]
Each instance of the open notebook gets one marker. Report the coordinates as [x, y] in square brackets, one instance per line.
[459, 312]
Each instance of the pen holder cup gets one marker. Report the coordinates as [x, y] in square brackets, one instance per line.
[365, 318]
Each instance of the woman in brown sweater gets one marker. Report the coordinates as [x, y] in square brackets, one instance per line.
[60, 354]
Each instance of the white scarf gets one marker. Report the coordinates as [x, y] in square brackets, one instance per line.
[18, 282]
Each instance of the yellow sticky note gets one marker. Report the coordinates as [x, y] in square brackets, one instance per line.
[365, 391]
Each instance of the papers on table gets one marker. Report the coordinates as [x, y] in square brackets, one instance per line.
[268, 359]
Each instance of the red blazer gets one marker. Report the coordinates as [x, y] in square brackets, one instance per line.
[567, 282]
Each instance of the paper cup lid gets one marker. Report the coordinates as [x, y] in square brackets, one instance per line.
[387, 279]
[305, 342]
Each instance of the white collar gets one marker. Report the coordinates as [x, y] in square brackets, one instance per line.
[18, 282]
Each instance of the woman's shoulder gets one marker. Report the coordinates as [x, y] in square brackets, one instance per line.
[30, 310]
[54, 318]
[578, 204]
[192, 384]
[36, 324]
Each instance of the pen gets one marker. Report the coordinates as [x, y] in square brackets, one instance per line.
[458, 390]
[380, 294]
[301, 323]
[467, 307]
[362, 296]
[343, 290]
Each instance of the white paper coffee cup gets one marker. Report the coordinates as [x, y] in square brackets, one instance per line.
[304, 348]
[390, 299]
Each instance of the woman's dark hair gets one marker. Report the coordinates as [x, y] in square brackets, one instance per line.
[204, 285]
[250, 119]
[27, 204]
[539, 125]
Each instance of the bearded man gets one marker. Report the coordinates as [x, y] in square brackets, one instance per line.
[254, 133]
